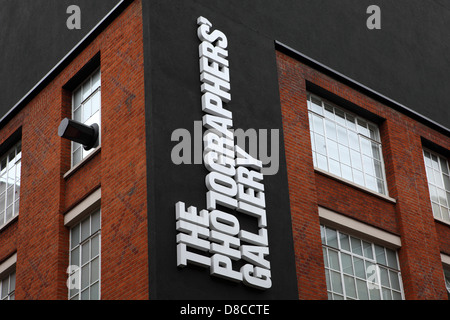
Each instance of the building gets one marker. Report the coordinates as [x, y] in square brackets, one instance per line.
[232, 158]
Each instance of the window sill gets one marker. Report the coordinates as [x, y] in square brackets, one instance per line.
[447, 223]
[354, 185]
[82, 163]
[9, 222]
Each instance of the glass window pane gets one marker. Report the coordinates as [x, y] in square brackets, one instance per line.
[336, 282]
[95, 246]
[325, 257]
[330, 127]
[340, 116]
[332, 148]
[436, 210]
[368, 253]
[350, 288]
[391, 258]
[361, 287]
[5, 285]
[335, 167]
[356, 246]
[344, 155]
[351, 121]
[96, 79]
[359, 268]
[87, 110]
[95, 223]
[322, 162]
[379, 255]
[95, 270]
[85, 229]
[347, 265]
[320, 144]
[85, 294]
[345, 243]
[85, 276]
[342, 135]
[386, 294]
[12, 282]
[77, 98]
[329, 111]
[444, 165]
[446, 182]
[96, 102]
[362, 127]
[374, 293]
[95, 292]
[333, 260]
[331, 237]
[75, 236]
[356, 160]
[87, 90]
[316, 105]
[75, 257]
[395, 281]
[384, 277]
[85, 253]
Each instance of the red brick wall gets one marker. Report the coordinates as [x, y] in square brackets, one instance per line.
[411, 217]
[39, 236]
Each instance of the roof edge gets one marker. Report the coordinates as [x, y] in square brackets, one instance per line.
[361, 88]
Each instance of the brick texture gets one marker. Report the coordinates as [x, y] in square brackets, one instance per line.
[410, 217]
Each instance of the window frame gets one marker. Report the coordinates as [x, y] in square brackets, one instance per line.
[74, 108]
[79, 246]
[435, 185]
[376, 140]
[15, 205]
[339, 250]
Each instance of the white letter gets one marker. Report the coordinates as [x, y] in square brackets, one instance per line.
[256, 254]
[191, 214]
[222, 267]
[214, 105]
[374, 21]
[181, 153]
[216, 86]
[256, 277]
[221, 183]
[224, 222]
[74, 21]
[183, 256]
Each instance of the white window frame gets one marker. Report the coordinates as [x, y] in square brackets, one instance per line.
[73, 218]
[8, 273]
[371, 280]
[372, 136]
[80, 106]
[4, 174]
[438, 184]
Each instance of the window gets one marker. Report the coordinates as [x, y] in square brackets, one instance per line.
[447, 281]
[86, 108]
[10, 165]
[346, 145]
[437, 170]
[8, 287]
[359, 270]
[85, 258]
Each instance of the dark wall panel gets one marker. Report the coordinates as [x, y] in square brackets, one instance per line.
[34, 38]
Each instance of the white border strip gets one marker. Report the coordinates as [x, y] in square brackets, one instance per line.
[445, 259]
[7, 266]
[357, 228]
[86, 206]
